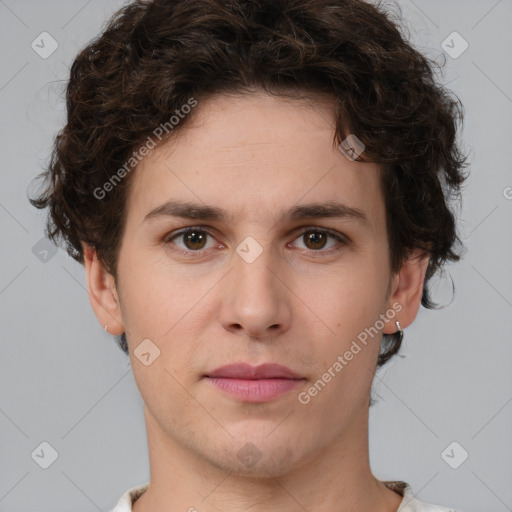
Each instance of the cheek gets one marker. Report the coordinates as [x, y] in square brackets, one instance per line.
[152, 295]
[349, 307]
[352, 295]
[159, 304]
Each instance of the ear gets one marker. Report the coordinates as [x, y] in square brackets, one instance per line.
[102, 292]
[407, 289]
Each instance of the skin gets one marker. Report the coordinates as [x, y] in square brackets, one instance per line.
[297, 304]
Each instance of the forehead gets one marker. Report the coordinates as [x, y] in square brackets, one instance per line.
[255, 154]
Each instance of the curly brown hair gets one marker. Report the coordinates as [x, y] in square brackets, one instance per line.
[153, 56]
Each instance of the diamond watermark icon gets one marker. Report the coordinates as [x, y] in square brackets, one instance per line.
[249, 249]
[44, 250]
[352, 147]
[44, 45]
[454, 455]
[249, 454]
[454, 45]
[146, 352]
[44, 455]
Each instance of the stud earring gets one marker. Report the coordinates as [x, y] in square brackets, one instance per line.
[106, 327]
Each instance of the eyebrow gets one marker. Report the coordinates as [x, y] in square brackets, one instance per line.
[187, 210]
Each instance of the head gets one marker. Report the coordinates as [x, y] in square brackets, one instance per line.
[233, 113]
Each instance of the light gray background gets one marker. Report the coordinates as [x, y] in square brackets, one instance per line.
[64, 381]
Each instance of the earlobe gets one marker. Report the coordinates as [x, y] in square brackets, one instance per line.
[407, 289]
[102, 292]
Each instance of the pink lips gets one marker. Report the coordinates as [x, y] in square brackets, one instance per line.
[254, 383]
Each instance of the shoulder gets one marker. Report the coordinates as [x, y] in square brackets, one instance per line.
[412, 504]
[125, 502]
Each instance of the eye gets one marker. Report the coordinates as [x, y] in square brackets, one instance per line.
[194, 239]
[316, 239]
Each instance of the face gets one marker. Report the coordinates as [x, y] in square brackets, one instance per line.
[261, 279]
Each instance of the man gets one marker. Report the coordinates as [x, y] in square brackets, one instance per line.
[254, 188]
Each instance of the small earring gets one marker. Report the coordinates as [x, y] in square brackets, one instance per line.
[400, 332]
[106, 327]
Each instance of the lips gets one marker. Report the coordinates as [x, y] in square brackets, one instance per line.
[248, 383]
[246, 371]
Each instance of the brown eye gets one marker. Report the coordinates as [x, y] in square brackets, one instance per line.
[194, 240]
[315, 239]
[189, 240]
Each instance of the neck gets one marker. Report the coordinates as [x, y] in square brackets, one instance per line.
[339, 478]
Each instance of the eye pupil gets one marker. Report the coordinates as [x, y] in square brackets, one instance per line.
[318, 239]
[195, 237]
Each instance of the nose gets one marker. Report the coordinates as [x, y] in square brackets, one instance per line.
[256, 298]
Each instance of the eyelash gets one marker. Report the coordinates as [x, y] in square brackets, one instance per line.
[190, 253]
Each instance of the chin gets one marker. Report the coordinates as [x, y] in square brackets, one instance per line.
[257, 457]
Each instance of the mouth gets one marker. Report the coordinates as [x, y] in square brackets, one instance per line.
[254, 383]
